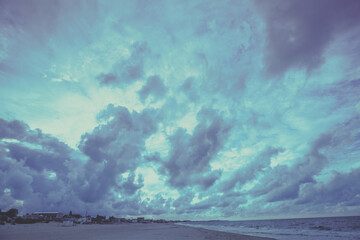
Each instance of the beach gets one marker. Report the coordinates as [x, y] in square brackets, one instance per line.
[152, 231]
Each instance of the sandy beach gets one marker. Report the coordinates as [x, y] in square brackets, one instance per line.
[55, 231]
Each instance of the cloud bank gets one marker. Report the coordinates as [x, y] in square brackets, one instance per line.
[239, 110]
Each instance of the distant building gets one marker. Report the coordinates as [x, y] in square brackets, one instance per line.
[140, 219]
[115, 220]
[51, 216]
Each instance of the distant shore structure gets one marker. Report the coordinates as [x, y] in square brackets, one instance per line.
[49, 215]
[11, 216]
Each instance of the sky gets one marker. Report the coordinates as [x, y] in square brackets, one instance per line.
[180, 109]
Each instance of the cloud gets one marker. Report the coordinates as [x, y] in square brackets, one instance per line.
[36, 150]
[41, 171]
[260, 164]
[158, 205]
[200, 203]
[298, 32]
[37, 18]
[127, 71]
[107, 78]
[114, 148]
[222, 142]
[34, 169]
[189, 157]
[289, 180]
[343, 92]
[154, 87]
[183, 202]
[342, 188]
[38, 159]
[30, 24]
[189, 89]
[135, 206]
[12, 129]
[128, 186]
[19, 184]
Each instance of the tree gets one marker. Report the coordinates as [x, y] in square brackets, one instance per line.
[100, 219]
[13, 212]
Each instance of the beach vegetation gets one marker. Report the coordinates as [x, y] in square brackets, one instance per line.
[12, 213]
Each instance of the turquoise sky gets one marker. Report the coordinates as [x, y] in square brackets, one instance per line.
[180, 109]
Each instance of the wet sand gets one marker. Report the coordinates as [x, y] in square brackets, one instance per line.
[55, 231]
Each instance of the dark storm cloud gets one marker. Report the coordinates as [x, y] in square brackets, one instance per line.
[299, 31]
[154, 87]
[129, 70]
[188, 161]
[114, 148]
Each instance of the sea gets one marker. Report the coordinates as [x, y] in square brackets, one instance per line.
[329, 228]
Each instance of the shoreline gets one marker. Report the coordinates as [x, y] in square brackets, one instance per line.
[151, 231]
[226, 235]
